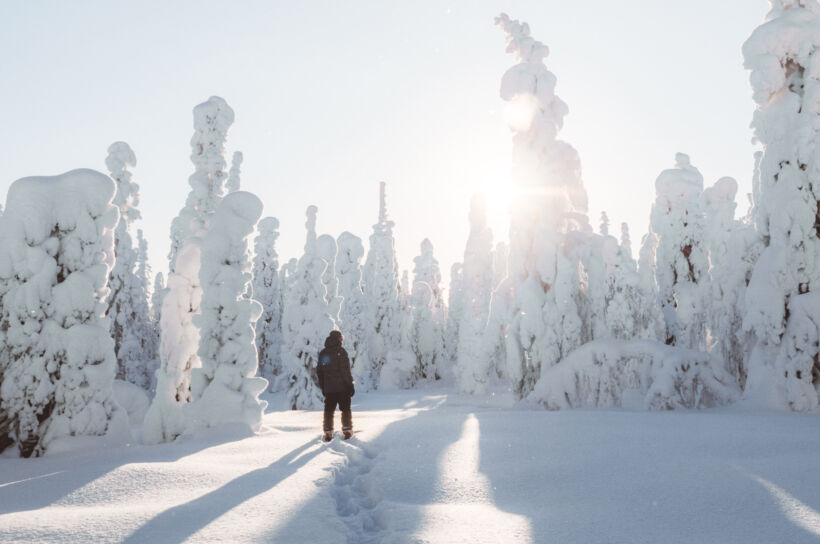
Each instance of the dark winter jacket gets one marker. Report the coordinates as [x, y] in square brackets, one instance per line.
[334, 368]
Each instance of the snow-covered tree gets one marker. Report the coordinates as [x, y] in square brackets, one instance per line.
[212, 119]
[381, 284]
[603, 230]
[157, 298]
[326, 250]
[733, 249]
[232, 184]
[425, 335]
[681, 262]
[632, 311]
[58, 361]
[306, 322]
[626, 242]
[783, 298]
[426, 270]
[225, 389]
[353, 313]
[428, 320]
[180, 337]
[473, 364]
[267, 290]
[552, 201]
[146, 342]
[455, 312]
[127, 296]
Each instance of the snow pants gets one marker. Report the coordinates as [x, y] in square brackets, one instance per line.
[343, 400]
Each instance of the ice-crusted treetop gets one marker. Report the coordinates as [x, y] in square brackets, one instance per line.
[542, 164]
[326, 247]
[233, 176]
[351, 250]
[680, 184]
[782, 46]
[120, 158]
[310, 225]
[383, 204]
[519, 40]
[212, 119]
[36, 204]
[269, 228]
[719, 200]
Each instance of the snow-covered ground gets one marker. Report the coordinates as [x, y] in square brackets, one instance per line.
[436, 467]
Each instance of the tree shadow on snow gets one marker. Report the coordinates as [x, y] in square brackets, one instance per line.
[31, 484]
[181, 522]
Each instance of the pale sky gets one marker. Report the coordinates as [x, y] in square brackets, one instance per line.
[333, 97]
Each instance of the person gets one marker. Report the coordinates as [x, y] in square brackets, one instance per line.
[336, 384]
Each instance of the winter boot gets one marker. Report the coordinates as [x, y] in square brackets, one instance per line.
[347, 433]
[328, 436]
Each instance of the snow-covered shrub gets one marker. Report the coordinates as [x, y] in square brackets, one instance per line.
[127, 300]
[132, 399]
[306, 322]
[473, 364]
[600, 373]
[225, 389]
[381, 289]
[783, 55]
[267, 290]
[58, 362]
[180, 337]
[353, 313]
[681, 261]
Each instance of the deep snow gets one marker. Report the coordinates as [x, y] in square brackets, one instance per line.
[434, 466]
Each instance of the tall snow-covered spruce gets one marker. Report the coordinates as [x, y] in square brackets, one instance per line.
[225, 389]
[353, 314]
[180, 337]
[306, 322]
[474, 365]
[681, 260]
[58, 361]
[128, 298]
[381, 288]
[428, 315]
[783, 298]
[550, 201]
[267, 290]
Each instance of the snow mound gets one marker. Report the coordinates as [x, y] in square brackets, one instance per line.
[132, 399]
[599, 373]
